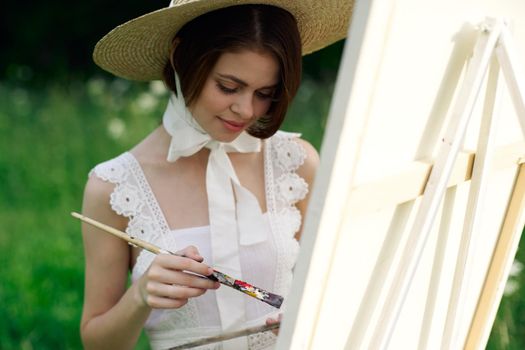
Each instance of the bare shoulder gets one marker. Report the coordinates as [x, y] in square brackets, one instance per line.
[106, 256]
[97, 195]
[311, 162]
[96, 205]
[97, 190]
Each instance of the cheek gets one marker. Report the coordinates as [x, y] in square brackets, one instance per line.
[261, 108]
[216, 101]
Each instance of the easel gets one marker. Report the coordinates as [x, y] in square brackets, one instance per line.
[494, 44]
[361, 246]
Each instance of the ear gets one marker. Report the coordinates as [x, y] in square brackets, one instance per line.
[175, 42]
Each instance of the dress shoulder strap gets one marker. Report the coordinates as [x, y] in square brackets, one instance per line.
[285, 187]
[115, 170]
[132, 198]
[287, 155]
[126, 199]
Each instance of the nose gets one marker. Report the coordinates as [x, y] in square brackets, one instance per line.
[243, 106]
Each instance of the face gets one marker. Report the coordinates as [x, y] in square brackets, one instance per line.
[238, 91]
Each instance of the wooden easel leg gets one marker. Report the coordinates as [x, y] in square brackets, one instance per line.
[499, 268]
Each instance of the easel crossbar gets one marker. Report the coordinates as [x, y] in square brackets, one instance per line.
[409, 183]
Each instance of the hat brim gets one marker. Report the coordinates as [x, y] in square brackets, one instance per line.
[139, 48]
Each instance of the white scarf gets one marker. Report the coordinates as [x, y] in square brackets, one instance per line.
[231, 224]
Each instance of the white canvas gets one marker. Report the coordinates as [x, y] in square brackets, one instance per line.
[399, 79]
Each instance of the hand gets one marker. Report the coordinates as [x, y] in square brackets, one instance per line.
[270, 321]
[169, 281]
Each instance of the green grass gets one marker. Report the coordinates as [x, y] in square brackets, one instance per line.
[49, 140]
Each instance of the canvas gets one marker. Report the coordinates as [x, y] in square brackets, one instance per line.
[381, 266]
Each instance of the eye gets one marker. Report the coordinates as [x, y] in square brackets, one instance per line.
[266, 95]
[226, 89]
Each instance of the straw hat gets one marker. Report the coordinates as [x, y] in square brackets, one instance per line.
[139, 49]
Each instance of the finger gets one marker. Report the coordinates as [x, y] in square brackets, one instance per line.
[185, 279]
[190, 280]
[174, 291]
[173, 262]
[191, 252]
[271, 321]
[157, 302]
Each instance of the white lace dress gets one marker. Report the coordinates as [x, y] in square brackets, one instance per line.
[267, 265]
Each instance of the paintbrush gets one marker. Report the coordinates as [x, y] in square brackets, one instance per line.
[244, 287]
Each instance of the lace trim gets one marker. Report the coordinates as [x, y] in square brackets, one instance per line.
[149, 197]
[126, 200]
[268, 180]
[287, 156]
[272, 209]
[261, 341]
[159, 235]
[289, 219]
[113, 171]
[141, 227]
[290, 154]
[291, 188]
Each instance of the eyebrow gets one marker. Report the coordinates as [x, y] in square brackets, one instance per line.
[242, 82]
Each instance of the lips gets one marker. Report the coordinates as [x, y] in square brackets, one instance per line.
[231, 125]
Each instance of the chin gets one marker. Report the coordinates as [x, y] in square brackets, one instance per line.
[226, 138]
[228, 135]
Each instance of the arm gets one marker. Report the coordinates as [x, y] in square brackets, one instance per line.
[113, 316]
[307, 172]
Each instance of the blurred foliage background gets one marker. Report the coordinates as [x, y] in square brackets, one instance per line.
[59, 116]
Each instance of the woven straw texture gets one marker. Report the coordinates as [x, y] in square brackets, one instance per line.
[139, 49]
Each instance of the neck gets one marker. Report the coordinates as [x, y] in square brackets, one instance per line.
[154, 146]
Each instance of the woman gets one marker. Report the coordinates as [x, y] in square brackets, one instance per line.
[215, 182]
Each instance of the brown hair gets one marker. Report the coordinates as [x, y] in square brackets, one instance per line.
[255, 27]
